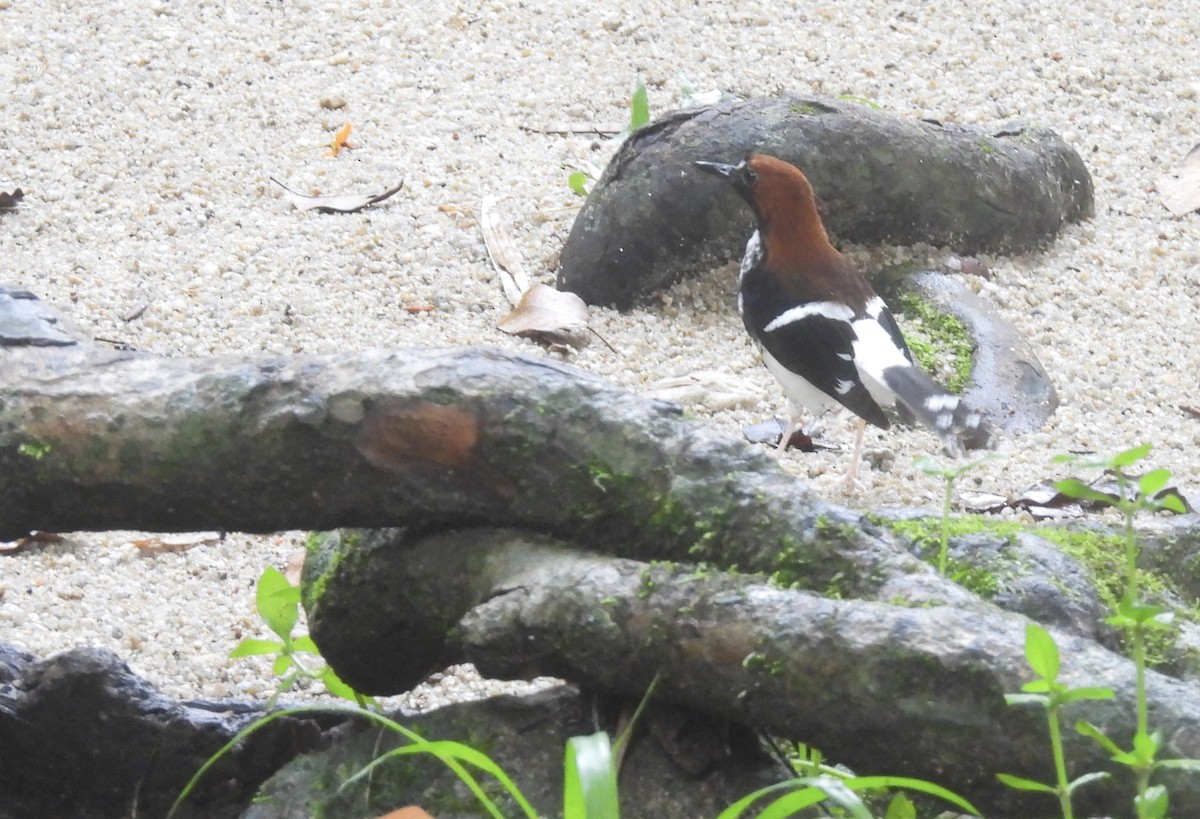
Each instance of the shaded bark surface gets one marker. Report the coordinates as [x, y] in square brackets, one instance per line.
[430, 438]
[880, 686]
[652, 219]
[83, 736]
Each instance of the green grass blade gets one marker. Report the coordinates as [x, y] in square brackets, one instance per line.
[448, 751]
[639, 106]
[791, 803]
[739, 807]
[623, 739]
[224, 749]
[590, 779]
[451, 760]
[1020, 783]
[861, 783]
[831, 789]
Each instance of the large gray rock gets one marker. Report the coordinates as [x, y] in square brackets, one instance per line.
[653, 219]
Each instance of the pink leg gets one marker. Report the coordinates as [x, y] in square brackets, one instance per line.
[852, 473]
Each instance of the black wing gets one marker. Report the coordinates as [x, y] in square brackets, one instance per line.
[819, 348]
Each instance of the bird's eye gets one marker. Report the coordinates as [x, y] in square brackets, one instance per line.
[749, 175]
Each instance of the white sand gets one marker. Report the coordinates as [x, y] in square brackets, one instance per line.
[144, 131]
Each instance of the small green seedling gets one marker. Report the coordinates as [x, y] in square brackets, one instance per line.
[1041, 653]
[278, 603]
[577, 181]
[931, 466]
[1133, 614]
[639, 106]
[639, 115]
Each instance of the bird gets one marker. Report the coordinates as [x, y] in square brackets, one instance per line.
[824, 333]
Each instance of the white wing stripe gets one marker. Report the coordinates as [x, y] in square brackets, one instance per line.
[832, 310]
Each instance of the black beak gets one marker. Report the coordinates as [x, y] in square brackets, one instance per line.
[718, 169]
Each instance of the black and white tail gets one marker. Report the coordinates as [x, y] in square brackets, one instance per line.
[960, 427]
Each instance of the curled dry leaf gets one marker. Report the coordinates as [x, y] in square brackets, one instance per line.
[36, 538]
[713, 389]
[503, 253]
[180, 542]
[295, 566]
[10, 199]
[548, 315]
[343, 203]
[1180, 189]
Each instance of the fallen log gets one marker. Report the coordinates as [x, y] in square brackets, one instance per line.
[97, 440]
[882, 687]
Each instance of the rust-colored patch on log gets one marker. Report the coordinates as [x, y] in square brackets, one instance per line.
[396, 437]
[725, 645]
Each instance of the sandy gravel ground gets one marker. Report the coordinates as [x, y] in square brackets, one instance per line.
[144, 133]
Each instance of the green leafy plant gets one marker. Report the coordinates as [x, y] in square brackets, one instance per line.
[577, 181]
[1047, 691]
[1136, 616]
[931, 466]
[278, 603]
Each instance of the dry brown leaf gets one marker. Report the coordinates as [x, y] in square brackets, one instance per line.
[295, 567]
[410, 812]
[1180, 189]
[9, 199]
[341, 203]
[503, 253]
[546, 314]
[36, 538]
[713, 389]
[180, 542]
